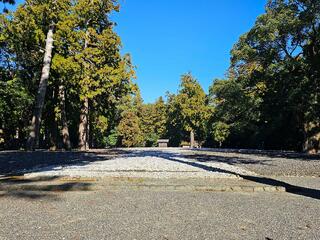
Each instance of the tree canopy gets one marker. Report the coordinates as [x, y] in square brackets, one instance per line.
[269, 99]
[86, 64]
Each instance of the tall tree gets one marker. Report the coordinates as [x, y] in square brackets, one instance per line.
[276, 63]
[188, 110]
[98, 56]
[25, 39]
[160, 117]
[235, 107]
[85, 63]
[53, 10]
[65, 129]
[36, 118]
[129, 130]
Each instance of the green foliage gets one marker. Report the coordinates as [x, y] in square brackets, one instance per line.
[112, 139]
[151, 140]
[86, 61]
[187, 111]
[100, 127]
[270, 99]
[160, 117]
[153, 118]
[236, 107]
[13, 100]
[191, 101]
[273, 87]
[129, 130]
[147, 121]
[147, 118]
[220, 132]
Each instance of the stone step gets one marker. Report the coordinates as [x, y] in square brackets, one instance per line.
[62, 184]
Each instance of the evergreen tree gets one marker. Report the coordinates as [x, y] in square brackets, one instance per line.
[276, 62]
[129, 130]
[86, 65]
[188, 111]
[53, 10]
[160, 117]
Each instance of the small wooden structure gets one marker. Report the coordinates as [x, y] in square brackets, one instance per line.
[163, 143]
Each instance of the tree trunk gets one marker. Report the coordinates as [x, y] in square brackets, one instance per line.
[312, 138]
[84, 114]
[65, 129]
[191, 139]
[53, 137]
[33, 140]
[52, 119]
[84, 126]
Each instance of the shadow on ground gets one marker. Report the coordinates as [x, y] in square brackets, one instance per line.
[19, 163]
[298, 190]
[16, 163]
[38, 188]
[265, 153]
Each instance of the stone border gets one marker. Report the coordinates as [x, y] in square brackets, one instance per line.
[91, 184]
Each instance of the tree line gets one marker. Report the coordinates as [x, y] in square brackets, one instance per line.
[62, 74]
[82, 93]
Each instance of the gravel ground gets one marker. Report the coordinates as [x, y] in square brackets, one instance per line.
[158, 215]
[146, 164]
[267, 163]
[161, 163]
[58, 213]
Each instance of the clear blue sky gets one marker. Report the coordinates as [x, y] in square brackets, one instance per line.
[167, 38]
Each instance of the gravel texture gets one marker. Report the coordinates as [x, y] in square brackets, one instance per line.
[146, 164]
[162, 162]
[158, 215]
[267, 163]
[70, 210]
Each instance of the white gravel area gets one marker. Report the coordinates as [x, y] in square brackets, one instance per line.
[140, 163]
